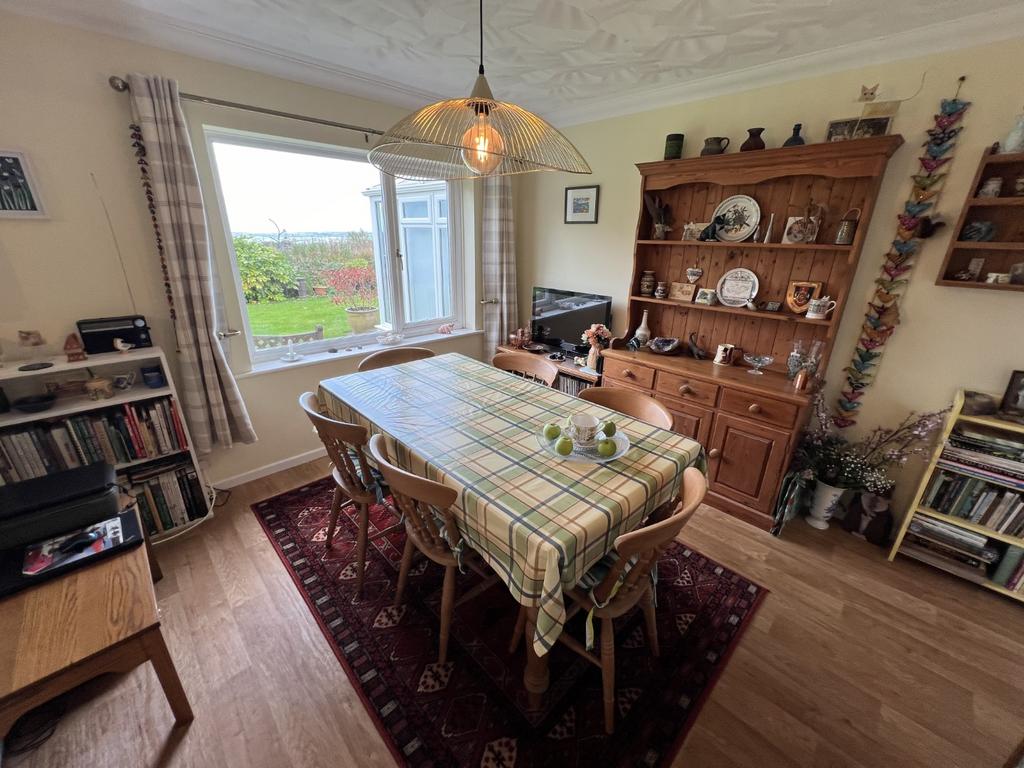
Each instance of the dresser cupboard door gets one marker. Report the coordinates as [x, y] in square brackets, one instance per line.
[690, 420]
[746, 461]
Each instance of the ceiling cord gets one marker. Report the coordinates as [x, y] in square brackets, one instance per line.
[481, 37]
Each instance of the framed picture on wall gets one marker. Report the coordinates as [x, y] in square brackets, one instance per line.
[581, 204]
[19, 193]
[858, 128]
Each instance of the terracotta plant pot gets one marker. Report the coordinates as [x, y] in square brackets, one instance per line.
[362, 319]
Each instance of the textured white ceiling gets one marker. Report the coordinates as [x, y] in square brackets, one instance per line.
[558, 57]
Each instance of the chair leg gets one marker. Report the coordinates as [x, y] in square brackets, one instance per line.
[335, 511]
[447, 608]
[364, 529]
[517, 633]
[403, 572]
[608, 673]
[651, 620]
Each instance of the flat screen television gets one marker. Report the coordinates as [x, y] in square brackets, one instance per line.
[559, 316]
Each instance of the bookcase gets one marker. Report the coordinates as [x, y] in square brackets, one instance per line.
[967, 517]
[139, 429]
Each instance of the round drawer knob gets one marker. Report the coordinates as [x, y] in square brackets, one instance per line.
[714, 453]
[627, 373]
[685, 389]
[754, 408]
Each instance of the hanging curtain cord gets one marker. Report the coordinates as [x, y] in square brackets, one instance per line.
[120, 85]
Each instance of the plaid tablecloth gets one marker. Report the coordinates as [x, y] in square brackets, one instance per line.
[539, 522]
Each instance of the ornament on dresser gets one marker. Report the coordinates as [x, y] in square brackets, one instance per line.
[661, 215]
[804, 229]
[643, 331]
[818, 309]
[696, 350]
[978, 231]
[706, 296]
[710, 232]
[727, 354]
[674, 146]
[683, 292]
[739, 216]
[714, 145]
[993, 187]
[800, 293]
[848, 227]
[1014, 141]
[754, 140]
[661, 291]
[647, 282]
[796, 140]
[694, 273]
[692, 230]
[883, 314]
[664, 346]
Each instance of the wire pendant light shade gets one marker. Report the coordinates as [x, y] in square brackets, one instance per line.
[474, 137]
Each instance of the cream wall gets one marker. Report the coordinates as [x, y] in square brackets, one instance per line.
[950, 337]
[55, 104]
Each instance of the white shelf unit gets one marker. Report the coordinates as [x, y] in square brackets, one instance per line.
[17, 383]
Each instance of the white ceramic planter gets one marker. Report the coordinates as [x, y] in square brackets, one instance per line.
[824, 505]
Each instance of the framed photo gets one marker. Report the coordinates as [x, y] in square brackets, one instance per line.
[581, 204]
[770, 306]
[800, 229]
[682, 292]
[19, 192]
[1012, 406]
[800, 293]
[692, 230]
[858, 128]
[706, 296]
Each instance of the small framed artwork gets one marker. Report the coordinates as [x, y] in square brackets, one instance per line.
[706, 296]
[682, 292]
[19, 192]
[800, 293]
[800, 229]
[692, 230]
[581, 204]
[1012, 407]
[858, 128]
[770, 306]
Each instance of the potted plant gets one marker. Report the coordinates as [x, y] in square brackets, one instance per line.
[838, 465]
[597, 336]
[355, 287]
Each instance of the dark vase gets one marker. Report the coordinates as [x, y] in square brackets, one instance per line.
[754, 140]
[796, 140]
[674, 146]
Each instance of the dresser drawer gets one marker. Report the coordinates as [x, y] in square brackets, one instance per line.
[759, 408]
[629, 373]
[685, 388]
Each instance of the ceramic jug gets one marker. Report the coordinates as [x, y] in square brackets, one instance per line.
[1014, 141]
[754, 140]
[715, 145]
[796, 140]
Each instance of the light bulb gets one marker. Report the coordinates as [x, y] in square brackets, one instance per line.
[483, 146]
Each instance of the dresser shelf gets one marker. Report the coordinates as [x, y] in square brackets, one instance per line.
[780, 316]
[748, 246]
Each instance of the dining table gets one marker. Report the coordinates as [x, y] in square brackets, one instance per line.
[539, 521]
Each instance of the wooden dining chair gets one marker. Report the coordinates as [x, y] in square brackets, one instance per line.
[528, 366]
[621, 580]
[354, 480]
[635, 404]
[430, 527]
[388, 357]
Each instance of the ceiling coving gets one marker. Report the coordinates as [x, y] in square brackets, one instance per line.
[560, 58]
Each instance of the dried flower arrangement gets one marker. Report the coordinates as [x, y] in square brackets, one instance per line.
[596, 335]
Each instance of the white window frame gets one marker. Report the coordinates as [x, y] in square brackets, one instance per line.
[387, 258]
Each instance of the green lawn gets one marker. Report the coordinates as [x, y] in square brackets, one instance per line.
[298, 316]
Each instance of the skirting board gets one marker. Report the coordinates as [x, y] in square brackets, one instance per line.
[269, 469]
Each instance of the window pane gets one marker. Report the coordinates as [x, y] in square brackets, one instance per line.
[419, 269]
[446, 274]
[442, 208]
[302, 233]
[415, 209]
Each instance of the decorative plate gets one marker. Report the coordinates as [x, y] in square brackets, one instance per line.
[742, 214]
[588, 455]
[535, 348]
[737, 287]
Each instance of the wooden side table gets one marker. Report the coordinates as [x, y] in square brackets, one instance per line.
[100, 618]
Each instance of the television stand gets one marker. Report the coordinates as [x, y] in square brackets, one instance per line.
[572, 378]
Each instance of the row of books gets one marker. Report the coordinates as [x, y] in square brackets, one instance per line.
[1010, 571]
[943, 545]
[168, 494]
[119, 435]
[976, 500]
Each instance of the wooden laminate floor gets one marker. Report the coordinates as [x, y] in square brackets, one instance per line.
[851, 661]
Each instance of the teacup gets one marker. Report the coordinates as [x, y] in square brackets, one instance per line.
[583, 428]
[818, 309]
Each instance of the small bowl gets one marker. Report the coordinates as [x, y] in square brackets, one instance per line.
[757, 362]
[34, 403]
[664, 346]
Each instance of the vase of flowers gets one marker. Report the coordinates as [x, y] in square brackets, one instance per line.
[597, 336]
[837, 465]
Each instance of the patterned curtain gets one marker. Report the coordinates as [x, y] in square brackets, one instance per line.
[210, 398]
[499, 262]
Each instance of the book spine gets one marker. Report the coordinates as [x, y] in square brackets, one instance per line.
[133, 432]
[146, 514]
[161, 503]
[102, 441]
[196, 489]
[179, 428]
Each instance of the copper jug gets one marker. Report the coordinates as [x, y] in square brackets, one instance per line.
[848, 227]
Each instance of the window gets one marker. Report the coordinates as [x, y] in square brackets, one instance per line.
[310, 231]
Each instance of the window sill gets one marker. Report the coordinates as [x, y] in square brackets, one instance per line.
[319, 358]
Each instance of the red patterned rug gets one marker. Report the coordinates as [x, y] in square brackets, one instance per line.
[473, 711]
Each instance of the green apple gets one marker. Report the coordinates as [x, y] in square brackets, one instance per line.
[551, 431]
[605, 448]
[608, 428]
[564, 446]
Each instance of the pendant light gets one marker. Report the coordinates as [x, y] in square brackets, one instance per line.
[473, 137]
